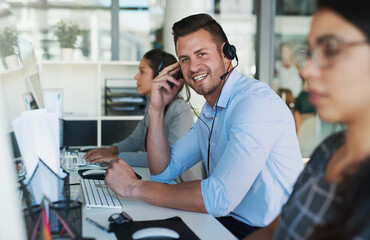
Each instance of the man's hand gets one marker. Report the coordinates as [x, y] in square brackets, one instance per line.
[162, 93]
[102, 155]
[184, 196]
[121, 178]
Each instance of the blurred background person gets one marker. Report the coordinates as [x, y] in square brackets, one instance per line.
[287, 96]
[286, 71]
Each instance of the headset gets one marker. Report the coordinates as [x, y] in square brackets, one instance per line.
[160, 65]
[228, 49]
[230, 52]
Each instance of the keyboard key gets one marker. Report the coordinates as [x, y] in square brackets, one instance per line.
[97, 194]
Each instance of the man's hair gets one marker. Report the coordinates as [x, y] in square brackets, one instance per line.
[196, 22]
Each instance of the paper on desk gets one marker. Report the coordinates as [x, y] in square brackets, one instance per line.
[37, 133]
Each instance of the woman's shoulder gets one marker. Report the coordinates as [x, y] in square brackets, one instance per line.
[178, 105]
[321, 156]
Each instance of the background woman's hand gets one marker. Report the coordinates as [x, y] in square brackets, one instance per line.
[102, 155]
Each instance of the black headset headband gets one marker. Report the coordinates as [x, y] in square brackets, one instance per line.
[160, 65]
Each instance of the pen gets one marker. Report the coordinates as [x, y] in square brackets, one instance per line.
[97, 224]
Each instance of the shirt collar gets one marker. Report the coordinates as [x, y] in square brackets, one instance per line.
[227, 90]
[226, 93]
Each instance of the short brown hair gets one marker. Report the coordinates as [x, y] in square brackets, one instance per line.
[196, 22]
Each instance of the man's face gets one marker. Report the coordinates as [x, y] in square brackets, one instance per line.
[202, 63]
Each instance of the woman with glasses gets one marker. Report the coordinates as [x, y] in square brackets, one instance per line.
[331, 198]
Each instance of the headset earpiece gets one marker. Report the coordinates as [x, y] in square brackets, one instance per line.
[228, 49]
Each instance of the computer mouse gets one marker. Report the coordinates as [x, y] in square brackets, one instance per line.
[155, 233]
[94, 172]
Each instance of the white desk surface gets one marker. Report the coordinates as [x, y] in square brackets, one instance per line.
[205, 226]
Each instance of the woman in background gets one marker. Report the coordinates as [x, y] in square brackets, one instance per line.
[178, 117]
[331, 198]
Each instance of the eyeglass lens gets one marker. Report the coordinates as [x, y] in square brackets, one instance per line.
[325, 51]
[322, 54]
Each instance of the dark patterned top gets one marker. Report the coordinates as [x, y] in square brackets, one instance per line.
[313, 200]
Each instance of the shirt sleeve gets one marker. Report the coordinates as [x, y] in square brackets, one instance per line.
[178, 120]
[135, 141]
[135, 159]
[254, 126]
[185, 153]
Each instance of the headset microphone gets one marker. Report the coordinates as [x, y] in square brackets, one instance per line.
[223, 76]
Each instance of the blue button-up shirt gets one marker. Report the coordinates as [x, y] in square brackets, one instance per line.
[254, 152]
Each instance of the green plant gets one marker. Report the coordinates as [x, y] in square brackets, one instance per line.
[8, 41]
[66, 33]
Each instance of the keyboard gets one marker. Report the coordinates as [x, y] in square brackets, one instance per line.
[82, 161]
[97, 194]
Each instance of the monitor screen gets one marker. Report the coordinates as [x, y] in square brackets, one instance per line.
[30, 70]
[21, 86]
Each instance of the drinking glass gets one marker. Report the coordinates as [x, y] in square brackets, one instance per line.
[70, 161]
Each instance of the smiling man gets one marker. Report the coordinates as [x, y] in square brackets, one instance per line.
[245, 134]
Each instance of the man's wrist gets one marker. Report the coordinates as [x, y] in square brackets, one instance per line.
[134, 189]
[155, 111]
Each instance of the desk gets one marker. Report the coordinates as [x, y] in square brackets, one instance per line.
[205, 226]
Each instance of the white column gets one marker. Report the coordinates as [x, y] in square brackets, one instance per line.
[11, 220]
[175, 11]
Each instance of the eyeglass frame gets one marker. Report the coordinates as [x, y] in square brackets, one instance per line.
[119, 218]
[302, 55]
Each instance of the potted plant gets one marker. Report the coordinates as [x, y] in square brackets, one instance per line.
[8, 46]
[67, 36]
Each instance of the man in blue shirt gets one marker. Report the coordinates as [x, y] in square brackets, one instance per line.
[245, 134]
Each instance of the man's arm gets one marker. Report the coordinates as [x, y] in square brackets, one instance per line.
[158, 147]
[184, 196]
[265, 233]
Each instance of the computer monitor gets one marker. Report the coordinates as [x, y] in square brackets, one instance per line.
[30, 70]
[21, 86]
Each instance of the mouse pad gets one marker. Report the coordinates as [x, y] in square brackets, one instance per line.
[125, 230]
[98, 176]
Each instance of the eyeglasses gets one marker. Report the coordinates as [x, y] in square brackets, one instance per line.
[325, 51]
[119, 218]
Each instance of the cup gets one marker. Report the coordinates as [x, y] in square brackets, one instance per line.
[67, 219]
[70, 161]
